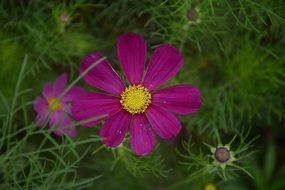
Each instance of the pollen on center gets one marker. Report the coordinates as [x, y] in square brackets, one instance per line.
[54, 104]
[135, 99]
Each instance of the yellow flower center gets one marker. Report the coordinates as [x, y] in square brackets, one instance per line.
[135, 99]
[54, 104]
[210, 187]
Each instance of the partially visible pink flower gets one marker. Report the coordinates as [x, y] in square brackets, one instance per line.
[138, 105]
[55, 108]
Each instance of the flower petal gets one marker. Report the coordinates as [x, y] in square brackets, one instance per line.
[41, 118]
[164, 123]
[94, 107]
[115, 128]
[59, 84]
[131, 51]
[66, 128]
[74, 92]
[142, 136]
[40, 105]
[181, 99]
[56, 119]
[165, 62]
[102, 76]
[48, 91]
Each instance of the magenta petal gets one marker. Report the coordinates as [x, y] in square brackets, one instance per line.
[102, 76]
[40, 105]
[91, 106]
[164, 123]
[41, 118]
[74, 92]
[131, 51]
[142, 136]
[58, 132]
[48, 91]
[181, 99]
[115, 128]
[56, 119]
[59, 84]
[165, 62]
[66, 128]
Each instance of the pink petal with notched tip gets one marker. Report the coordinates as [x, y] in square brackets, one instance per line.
[93, 106]
[141, 135]
[164, 64]
[115, 128]
[165, 124]
[181, 99]
[131, 51]
[102, 76]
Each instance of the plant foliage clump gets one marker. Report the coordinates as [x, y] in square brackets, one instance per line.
[233, 51]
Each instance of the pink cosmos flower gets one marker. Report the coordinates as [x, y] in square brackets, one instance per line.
[56, 107]
[139, 104]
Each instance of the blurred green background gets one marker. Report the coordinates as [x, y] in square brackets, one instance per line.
[234, 52]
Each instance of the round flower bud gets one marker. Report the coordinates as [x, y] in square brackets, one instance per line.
[222, 154]
[193, 15]
[65, 17]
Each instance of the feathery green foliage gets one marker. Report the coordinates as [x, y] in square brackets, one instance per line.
[233, 51]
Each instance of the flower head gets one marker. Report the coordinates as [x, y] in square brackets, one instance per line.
[139, 104]
[56, 107]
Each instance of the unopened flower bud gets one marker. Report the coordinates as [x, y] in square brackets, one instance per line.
[222, 154]
[65, 17]
[193, 15]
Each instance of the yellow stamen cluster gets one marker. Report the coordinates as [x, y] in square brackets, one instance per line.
[135, 99]
[54, 104]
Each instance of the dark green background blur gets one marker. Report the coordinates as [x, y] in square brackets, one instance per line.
[234, 52]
